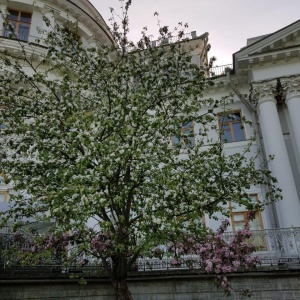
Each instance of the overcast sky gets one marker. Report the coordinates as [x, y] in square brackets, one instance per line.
[229, 22]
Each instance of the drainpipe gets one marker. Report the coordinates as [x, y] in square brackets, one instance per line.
[253, 111]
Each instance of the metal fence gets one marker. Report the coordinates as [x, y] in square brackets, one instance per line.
[174, 39]
[273, 246]
[219, 70]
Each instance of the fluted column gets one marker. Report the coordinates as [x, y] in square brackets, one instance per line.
[289, 207]
[292, 86]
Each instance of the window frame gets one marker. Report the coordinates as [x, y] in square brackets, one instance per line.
[17, 25]
[258, 241]
[5, 193]
[244, 212]
[229, 123]
[181, 139]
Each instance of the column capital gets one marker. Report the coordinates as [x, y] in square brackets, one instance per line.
[263, 92]
[291, 86]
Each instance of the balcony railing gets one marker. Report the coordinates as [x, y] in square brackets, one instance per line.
[273, 246]
[174, 39]
[219, 70]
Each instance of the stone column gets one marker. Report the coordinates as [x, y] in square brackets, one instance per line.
[293, 104]
[288, 209]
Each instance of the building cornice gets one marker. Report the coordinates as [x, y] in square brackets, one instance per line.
[280, 34]
[100, 23]
[280, 46]
[91, 18]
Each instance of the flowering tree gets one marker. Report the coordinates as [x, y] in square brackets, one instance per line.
[211, 253]
[88, 140]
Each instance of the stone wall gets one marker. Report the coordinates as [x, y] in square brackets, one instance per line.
[266, 285]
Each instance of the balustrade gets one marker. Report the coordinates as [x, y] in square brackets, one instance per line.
[273, 246]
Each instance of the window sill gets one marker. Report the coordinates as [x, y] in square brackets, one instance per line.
[238, 144]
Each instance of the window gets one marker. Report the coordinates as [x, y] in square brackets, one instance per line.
[231, 127]
[187, 138]
[18, 25]
[239, 219]
[3, 196]
[2, 179]
[3, 124]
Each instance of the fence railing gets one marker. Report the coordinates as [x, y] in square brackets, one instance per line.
[219, 70]
[174, 39]
[277, 245]
[273, 246]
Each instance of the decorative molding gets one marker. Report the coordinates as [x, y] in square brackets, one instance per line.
[292, 86]
[263, 92]
[250, 63]
[261, 60]
[295, 35]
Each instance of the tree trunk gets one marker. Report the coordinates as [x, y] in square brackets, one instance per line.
[122, 291]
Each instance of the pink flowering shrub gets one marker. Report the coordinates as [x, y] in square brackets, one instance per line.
[215, 255]
[102, 245]
[35, 249]
[30, 248]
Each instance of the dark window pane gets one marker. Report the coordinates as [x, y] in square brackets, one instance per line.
[2, 197]
[236, 116]
[9, 31]
[232, 117]
[238, 131]
[23, 32]
[25, 17]
[176, 140]
[13, 15]
[187, 131]
[225, 119]
[226, 134]
[11, 26]
[188, 124]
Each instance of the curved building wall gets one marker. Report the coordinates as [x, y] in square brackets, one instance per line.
[92, 28]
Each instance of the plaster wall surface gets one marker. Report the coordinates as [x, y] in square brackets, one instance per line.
[264, 285]
[275, 72]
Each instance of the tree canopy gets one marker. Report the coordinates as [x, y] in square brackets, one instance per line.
[88, 139]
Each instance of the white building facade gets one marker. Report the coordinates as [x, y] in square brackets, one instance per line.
[26, 17]
[265, 78]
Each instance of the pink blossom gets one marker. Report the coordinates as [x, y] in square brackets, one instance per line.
[217, 255]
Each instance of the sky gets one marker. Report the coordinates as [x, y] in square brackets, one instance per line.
[228, 22]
